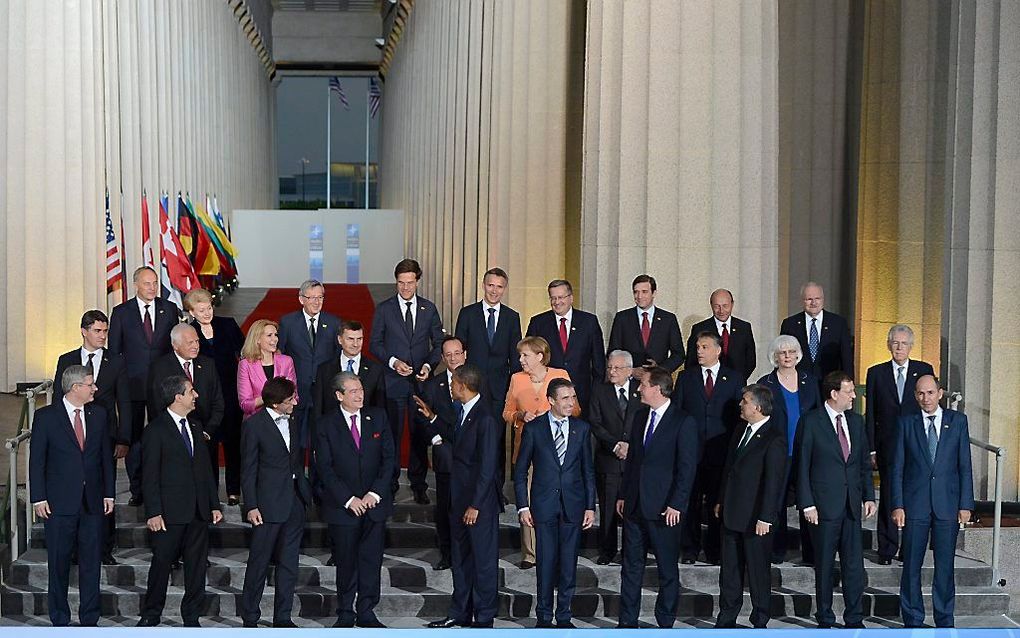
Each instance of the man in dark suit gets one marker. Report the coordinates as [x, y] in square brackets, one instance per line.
[575, 340]
[113, 394]
[560, 500]
[201, 372]
[736, 336]
[180, 501]
[140, 332]
[406, 336]
[932, 495]
[309, 337]
[710, 393]
[436, 403]
[650, 334]
[490, 330]
[752, 481]
[475, 505]
[835, 494]
[71, 467]
[351, 359]
[276, 494]
[824, 336]
[355, 457]
[613, 405]
[889, 395]
[654, 496]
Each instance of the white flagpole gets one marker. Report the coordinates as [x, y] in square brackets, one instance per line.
[368, 111]
[329, 105]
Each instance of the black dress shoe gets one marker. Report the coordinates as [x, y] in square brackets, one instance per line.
[284, 624]
[566, 624]
[527, 564]
[446, 623]
[193, 622]
[345, 621]
[603, 560]
[544, 624]
[725, 625]
[177, 564]
[369, 623]
[331, 562]
[443, 564]
[884, 561]
[421, 498]
[687, 560]
[825, 625]
[135, 501]
[854, 625]
[481, 625]
[108, 559]
[147, 622]
[233, 500]
[250, 624]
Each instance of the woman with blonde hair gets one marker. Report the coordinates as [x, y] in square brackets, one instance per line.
[261, 361]
[525, 400]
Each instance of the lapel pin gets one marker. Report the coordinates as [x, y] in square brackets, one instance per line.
[323, 325]
[658, 318]
[572, 328]
[368, 418]
[724, 378]
[915, 374]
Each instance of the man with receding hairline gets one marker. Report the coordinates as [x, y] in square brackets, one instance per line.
[824, 336]
[735, 335]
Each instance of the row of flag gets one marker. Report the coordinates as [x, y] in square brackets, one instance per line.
[374, 94]
[194, 248]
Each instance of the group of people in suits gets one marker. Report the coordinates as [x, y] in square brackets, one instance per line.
[694, 465]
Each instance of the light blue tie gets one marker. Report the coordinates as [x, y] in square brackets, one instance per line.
[933, 438]
[900, 382]
[813, 340]
[561, 440]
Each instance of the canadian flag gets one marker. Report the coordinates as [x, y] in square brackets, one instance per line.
[147, 259]
[178, 272]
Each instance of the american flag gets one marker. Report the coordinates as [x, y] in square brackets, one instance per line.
[334, 86]
[113, 266]
[374, 96]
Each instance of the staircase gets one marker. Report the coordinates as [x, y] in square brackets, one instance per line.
[414, 593]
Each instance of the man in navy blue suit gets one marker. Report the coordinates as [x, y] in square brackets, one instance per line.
[140, 331]
[575, 340]
[355, 456]
[932, 496]
[835, 494]
[474, 505]
[490, 330]
[407, 334]
[562, 497]
[650, 334]
[711, 394]
[824, 336]
[71, 467]
[889, 396]
[309, 337]
[661, 462]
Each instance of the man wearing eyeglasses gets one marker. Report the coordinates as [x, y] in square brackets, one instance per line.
[309, 337]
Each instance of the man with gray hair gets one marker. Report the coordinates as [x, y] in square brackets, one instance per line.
[309, 337]
[889, 395]
[613, 404]
[201, 372]
[72, 490]
[824, 336]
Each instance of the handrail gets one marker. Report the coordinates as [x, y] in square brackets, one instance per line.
[13, 446]
[1000, 454]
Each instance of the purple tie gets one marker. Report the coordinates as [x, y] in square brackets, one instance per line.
[355, 434]
[844, 445]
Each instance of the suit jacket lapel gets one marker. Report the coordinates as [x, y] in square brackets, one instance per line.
[69, 425]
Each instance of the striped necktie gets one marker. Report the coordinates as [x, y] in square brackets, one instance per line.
[560, 440]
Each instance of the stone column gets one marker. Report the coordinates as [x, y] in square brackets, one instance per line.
[680, 157]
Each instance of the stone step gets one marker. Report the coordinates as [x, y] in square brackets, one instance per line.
[426, 602]
[414, 569]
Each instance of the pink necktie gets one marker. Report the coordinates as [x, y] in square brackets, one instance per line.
[355, 434]
[844, 445]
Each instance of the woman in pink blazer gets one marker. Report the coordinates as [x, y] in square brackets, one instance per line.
[260, 362]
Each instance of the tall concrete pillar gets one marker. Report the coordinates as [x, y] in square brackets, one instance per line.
[680, 157]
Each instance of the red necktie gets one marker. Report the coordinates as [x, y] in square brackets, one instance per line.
[709, 385]
[844, 445]
[355, 433]
[187, 371]
[646, 328]
[725, 340]
[79, 429]
[563, 333]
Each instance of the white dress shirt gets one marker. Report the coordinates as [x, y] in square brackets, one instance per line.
[719, 325]
[569, 316]
[152, 310]
[70, 407]
[282, 422]
[807, 325]
[658, 412]
[177, 424]
[938, 422]
[641, 314]
[715, 373]
[97, 361]
[485, 312]
[344, 359]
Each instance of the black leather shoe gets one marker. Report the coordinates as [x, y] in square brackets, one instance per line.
[884, 561]
[250, 624]
[108, 559]
[725, 625]
[284, 624]
[481, 625]
[825, 625]
[687, 560]
[345, 621]
[527, 564]
[603, 560]
[566, 624]
[193, 622]
[444, 563]
[330, 562]
[177, 564]
[370, 623]
[233, 501]
[135, 501]
[421, 498]
[544, 624]
[147, 622]
[446, 623]
[854, 625]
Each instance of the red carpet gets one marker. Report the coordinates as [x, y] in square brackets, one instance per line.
[347, 301]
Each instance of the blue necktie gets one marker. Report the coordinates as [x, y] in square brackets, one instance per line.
[350, 366]
[460, 418]
[651, 430]
[561, 440]
[813, 340]
[490, 325]
[933, 439]
[187, 439]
